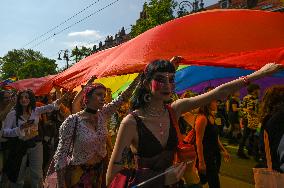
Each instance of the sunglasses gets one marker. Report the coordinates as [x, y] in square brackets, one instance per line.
[164, 79]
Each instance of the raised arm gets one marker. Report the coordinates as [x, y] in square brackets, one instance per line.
[125, 136]
[64, 111]
[76, 104]
[111, 107]
[184, 105]
[52, 106]
[58, 92]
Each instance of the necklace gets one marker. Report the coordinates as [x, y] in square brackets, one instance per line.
[153, 112]
[161, 130]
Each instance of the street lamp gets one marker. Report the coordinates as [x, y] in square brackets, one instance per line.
[65, 56]
[195, 6]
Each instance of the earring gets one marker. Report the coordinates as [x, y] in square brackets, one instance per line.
[147, 97]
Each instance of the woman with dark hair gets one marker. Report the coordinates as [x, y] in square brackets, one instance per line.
[83, 138]
[271, 115]
[21, 125]
[209, 145]
[149, 130]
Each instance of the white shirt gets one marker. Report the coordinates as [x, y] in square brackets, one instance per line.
[12, 129]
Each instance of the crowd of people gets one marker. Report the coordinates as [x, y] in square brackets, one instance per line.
[72, 134]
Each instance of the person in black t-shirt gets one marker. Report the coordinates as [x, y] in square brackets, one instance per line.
[233, 107]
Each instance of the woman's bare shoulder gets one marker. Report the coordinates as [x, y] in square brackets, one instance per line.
[129, 121]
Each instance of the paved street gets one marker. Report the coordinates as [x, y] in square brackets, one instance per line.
[238, 172]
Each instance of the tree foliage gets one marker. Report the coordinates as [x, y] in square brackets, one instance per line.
[80, 53]
[26, 63]
[36, 69]
[155, 13]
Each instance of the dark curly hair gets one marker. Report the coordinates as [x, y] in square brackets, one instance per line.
[18, 106]
[273, 101]
[137, 100]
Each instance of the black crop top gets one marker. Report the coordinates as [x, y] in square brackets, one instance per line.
[148, 145]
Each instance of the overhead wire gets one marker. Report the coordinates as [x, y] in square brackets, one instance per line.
[57, 26]
[54, 34]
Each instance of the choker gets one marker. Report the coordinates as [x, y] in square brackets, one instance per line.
[91, 111]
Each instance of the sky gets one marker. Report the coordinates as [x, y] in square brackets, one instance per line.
[23, 22]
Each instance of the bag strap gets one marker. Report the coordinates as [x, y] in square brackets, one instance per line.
[51, 168]
[175, 122]
[73, 137]
[267, 150]
[194, 122]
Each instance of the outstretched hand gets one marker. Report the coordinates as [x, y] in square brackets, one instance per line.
[175, 174]
[26, 125]
[64, 97]
[226, 156]
[176, 59]
[270, 68]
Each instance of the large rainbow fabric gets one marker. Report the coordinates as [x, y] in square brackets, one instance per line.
[246, 39]
[196, 78]
[233, 38]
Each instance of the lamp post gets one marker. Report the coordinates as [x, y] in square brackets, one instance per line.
[194, 6]
[65, 56]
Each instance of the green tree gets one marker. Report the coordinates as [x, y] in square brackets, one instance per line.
[155, 13]
[16, 62]
[37, 69]
[80, 53]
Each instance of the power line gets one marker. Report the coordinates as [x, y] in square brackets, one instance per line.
[36, 38]
[75, 23]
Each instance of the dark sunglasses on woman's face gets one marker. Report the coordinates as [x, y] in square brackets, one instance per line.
[164, 79]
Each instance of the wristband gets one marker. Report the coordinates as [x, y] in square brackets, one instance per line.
[245, 80]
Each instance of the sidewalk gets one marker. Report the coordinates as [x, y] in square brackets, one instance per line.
[227, 182]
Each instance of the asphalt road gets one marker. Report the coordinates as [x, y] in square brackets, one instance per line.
[238, 171]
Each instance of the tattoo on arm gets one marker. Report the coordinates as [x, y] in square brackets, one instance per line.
[126, 157]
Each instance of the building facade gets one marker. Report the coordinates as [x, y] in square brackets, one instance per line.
[267, 5]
